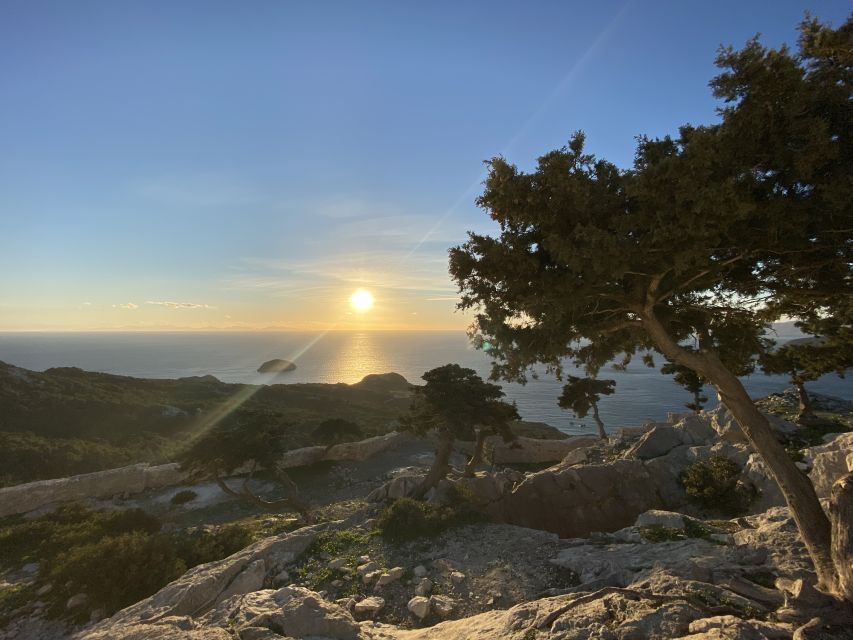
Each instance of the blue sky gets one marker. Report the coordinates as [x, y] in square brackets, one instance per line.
[248, 165]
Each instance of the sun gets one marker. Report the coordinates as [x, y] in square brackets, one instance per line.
[361, 300]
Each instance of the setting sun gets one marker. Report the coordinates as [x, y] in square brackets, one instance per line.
[361, 300]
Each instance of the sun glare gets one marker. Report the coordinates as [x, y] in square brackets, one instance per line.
[361, 300]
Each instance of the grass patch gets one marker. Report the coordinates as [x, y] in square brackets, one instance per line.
[13, 598]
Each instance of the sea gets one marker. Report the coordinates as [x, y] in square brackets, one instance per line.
[642, 394]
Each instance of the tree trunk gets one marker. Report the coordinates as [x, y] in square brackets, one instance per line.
[697, 401]
[440, 466]
[477, 454]
[796, 487]
[601, 432]
[805, 415]
[292, 501]
[841, 514]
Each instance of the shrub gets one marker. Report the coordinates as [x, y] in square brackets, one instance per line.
[116, 571]
[716, 485]
[407, 519]
[182, 497]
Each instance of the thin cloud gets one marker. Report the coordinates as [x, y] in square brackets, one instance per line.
[127, 305]
[178, 305]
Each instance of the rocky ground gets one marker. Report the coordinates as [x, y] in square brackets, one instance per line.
[627, 556]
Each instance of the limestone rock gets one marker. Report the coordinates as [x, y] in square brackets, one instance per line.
[420, 571]
[392, 575]
[419, 606]
[370, 606]
[829, 462]
[656, 442]
[77, 600]
[660, 518]
[424, 587]
[442, 605]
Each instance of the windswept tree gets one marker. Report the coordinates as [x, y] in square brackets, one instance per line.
[246, 442]
[806, 360]
[582, 394]
[690, 380]
[709, 237]
[456, 403]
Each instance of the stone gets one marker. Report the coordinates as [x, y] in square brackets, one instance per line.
[457, 577]
[424, 587]
[442, 605]
[44, 589]
[248, 580]
[660, 518]
[656, 442]
[829, 462]
[366, 568]
[419, 606]
[370, 606]
[77, 600]
[420, 571]
[282, 578]
[578, 456]
[337, 563]
[392, 575]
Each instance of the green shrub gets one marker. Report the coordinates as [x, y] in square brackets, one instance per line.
[200, 546]
[116, 571]
[406, 519]
[182, 497]
[716, 485]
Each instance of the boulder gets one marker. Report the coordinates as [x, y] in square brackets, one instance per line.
[370, 606]
[656, 442]
[419, 606]
[661, 518]
[829, 462]
[442, 605]
[392, 575]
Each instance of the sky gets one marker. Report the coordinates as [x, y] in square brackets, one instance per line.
[201, 165]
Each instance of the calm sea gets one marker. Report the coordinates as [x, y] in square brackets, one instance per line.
[641, 393]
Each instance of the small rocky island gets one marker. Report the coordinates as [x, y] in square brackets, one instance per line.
[276, 365]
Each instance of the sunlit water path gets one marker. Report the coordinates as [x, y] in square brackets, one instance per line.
[641, 393]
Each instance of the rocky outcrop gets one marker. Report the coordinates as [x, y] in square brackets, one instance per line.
[133, 479]
[276, 365]
[528, 450]
[355, 451]
[829, 462]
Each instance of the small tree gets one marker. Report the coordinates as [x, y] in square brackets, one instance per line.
[804, 361]
[457, 403]
[690, 380]
[582, 394]
[252, 438]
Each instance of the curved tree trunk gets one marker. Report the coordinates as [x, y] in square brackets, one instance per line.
[477, 454]
[601, 432]
[440, 466]
[841, 514]
[292, 502]
[799, 493]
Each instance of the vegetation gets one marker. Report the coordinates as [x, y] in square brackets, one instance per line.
[690, 380]
[246, 437]
[582, 394]
[337, 430]
[453, 402]
[115, 557]
[65, 421]
[716, 485]
[712, 235]
[806, 360]
[407, 519]
[182, 497]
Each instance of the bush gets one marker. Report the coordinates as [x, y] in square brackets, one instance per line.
[116, 571]
[182, 497]
[716, 485]
[406, 519]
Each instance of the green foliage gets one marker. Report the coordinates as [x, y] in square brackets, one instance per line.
[659, 533]
[456, 399]
[337, 430]
[716, 485]
[244, 435]
[115, 557]
[182, 497]
[690, 380]
[593, 261]
[406, 519]
[116, 571]
[580, 394]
